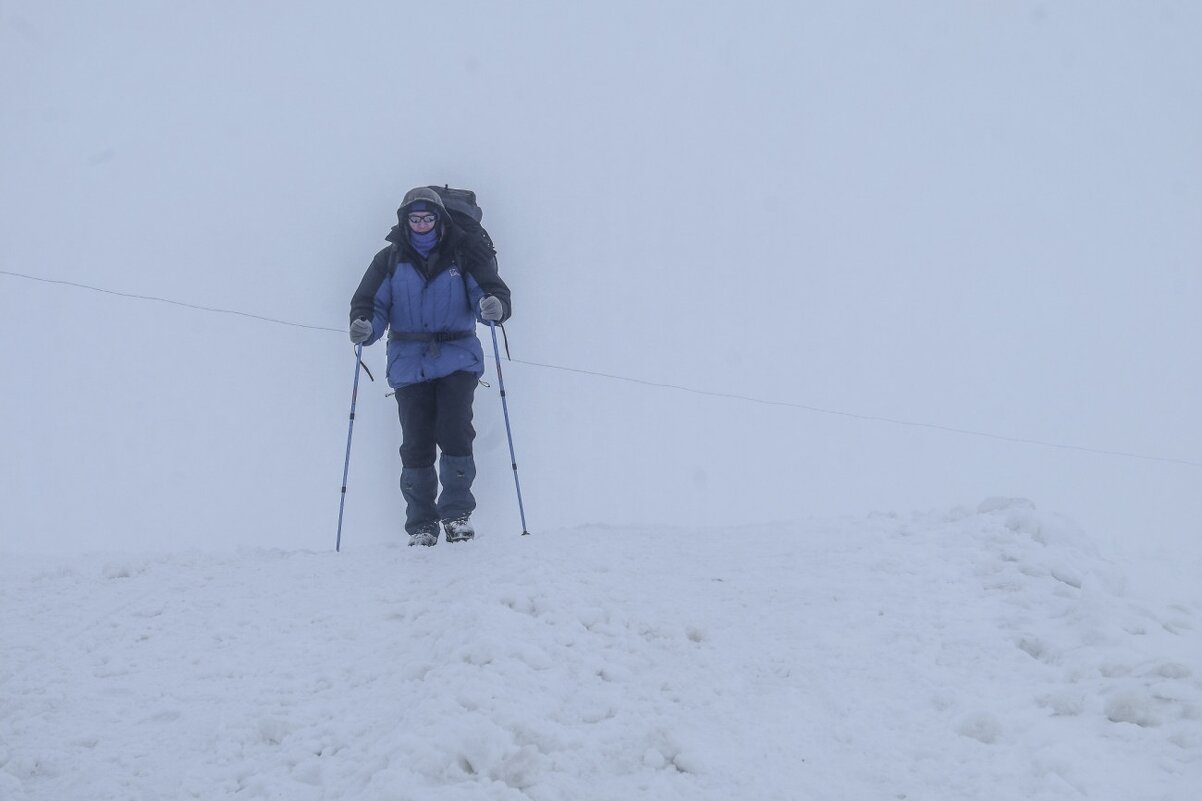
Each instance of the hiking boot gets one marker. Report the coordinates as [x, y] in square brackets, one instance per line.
[425, 537]
[459, 530]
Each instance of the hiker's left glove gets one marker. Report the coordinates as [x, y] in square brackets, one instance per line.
[360, 331]
[491, 309]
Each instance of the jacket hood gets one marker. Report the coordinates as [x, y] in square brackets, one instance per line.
[422, 194]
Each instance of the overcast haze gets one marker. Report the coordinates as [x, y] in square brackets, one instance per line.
[978, 216]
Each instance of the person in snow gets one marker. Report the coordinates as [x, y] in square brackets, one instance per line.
[428, 288]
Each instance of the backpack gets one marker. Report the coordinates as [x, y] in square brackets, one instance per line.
[461, 205]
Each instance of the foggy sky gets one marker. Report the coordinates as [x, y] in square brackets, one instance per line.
[978, 216]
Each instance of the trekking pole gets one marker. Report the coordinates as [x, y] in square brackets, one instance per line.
[346, 466]
[508, 431]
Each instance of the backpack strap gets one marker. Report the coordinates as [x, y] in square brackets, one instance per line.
[461, 261]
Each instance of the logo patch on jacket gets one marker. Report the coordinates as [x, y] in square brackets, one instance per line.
[453, 271]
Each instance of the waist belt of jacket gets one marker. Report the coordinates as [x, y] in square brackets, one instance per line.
[434, 338]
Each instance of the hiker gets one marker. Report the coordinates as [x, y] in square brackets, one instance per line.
[428, 289]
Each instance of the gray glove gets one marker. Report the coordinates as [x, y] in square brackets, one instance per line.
[491, 309]
[360, 331]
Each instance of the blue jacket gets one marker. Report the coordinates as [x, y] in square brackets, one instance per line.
[429, 307]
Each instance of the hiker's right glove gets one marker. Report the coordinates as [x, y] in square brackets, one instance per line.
[491, 309]
[360, 331]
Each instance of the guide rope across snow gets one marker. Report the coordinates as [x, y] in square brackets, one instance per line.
[691, 390]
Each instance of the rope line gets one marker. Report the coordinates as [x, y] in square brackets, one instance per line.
[867, 417]
[213, 309]
[661, 385]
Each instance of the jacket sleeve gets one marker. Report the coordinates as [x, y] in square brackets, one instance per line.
[483, 267]
[373, 299]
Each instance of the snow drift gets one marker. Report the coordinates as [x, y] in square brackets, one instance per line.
[989, 653]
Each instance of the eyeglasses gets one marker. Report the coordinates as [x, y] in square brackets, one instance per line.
[423, 219]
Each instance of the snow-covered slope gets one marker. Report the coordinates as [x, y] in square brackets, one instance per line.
[989, 653]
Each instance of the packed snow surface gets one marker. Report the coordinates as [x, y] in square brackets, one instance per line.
[988, 653]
